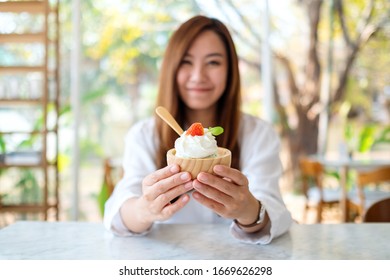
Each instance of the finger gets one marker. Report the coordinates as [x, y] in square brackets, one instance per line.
[175, 180]
[157, 204]
[209, 203]
[164, 185]
[161, 174]
[212, 193]
[216, 182]
[172, 194]
[233, 174]
[170, 209]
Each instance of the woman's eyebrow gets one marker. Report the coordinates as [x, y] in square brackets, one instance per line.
[214, 54]
[208, 55]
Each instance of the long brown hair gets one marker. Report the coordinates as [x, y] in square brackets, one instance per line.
[228, 115]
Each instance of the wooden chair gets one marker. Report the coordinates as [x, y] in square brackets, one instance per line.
[370, 188]
[112, 173]
[379, 212]
[317, 196]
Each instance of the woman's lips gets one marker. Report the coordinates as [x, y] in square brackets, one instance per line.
[200, 90]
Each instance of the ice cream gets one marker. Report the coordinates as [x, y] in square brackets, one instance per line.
[196, 142]
[196, 150]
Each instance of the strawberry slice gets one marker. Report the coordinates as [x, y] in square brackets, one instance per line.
[196, 129]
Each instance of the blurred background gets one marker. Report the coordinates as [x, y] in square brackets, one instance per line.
[75, 76]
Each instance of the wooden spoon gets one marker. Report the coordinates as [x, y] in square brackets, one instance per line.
[168, 118]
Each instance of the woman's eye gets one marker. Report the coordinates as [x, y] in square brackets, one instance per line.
[214, 62]
[184, 61]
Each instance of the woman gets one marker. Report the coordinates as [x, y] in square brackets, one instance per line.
[200, 82]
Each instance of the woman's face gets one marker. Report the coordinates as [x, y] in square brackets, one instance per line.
[202, 73]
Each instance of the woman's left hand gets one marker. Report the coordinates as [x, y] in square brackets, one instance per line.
[227, 194]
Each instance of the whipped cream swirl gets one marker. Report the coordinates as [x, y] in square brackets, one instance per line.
[188, 146]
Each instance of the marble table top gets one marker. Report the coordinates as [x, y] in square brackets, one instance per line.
[90, 241]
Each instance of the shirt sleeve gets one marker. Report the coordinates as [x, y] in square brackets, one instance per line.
[260, 162]
[138, 162]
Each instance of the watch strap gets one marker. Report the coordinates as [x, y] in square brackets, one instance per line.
[259, 220]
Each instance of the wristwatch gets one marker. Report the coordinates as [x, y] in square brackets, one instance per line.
[260, 219]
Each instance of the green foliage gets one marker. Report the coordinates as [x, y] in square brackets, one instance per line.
[102, 197]
[28, 187]
[366, 137]
[125, 48]
[87, 98]
[356, 94]
[2, 152]
[89, 148]
[2, 145]
[383, 137]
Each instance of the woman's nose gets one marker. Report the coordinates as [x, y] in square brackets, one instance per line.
[197, 73]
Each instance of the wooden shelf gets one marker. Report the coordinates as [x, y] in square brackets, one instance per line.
[32, 7]
[27, 207]
[49, 185]
[39, 37]
[20, 165]
[20, 101]
[25, 165]
[21, 69]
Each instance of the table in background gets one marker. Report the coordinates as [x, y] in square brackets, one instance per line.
[80, 240]
[344, 164]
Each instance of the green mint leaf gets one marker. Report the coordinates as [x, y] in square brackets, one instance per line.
[216, 130]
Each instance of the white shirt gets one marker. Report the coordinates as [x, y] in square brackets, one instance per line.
[259, 161]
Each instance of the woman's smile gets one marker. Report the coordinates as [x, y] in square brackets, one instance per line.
[199, 90]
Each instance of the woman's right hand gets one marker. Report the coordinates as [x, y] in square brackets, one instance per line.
[159, 189]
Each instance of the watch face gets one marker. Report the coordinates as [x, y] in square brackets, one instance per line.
[262, 214]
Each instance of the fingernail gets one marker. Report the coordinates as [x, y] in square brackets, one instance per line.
[174, 168]
[202, 177]
[218, 168]
[184, 176]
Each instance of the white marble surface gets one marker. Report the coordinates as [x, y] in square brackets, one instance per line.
[79, 240]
